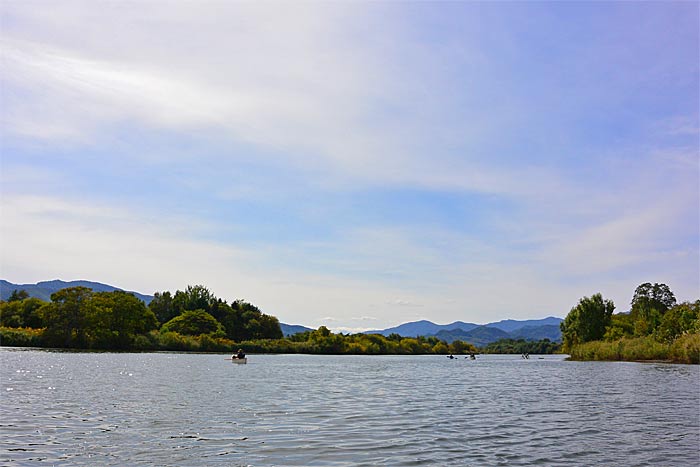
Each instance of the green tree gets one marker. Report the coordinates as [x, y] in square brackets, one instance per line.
[195, 297]
[461, 347]
[18, 295]
[621, 325]
[376, 343]
[410, 346]
[194, 323]
[240, 320]
[268, 328]
[586, 321]
[67, 318]
[11, 314]
[243, 320]
[680, 319]
[33, 312]
[441, 348]
[521, 346]
[649, 304]
[219, 309]
[20, 310]
[118, 318]
[162, 307]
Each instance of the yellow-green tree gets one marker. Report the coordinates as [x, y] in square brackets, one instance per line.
[587, 321]
[194, 323]
[649, 304]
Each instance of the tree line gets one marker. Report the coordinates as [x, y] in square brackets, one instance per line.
[195, 320]
[189, 320]
[522, 346]
[656, 328]
[78, 317]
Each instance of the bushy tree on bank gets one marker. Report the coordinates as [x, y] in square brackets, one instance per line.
[240, 320]
[649, 304]
[657, 327]
[25, 312]
[77, 317]
[587, 321]
[683, 318]
[194, 323]
[119, 318]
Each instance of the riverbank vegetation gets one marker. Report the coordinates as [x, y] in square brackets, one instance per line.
[656, 328]
[189, 320]
[522, 346]
[79, 318]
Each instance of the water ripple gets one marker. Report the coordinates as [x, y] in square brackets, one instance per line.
[185, 409]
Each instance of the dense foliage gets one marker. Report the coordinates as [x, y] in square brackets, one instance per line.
[656, 328]
[194, 323]
[189, 320]
[683, 349]
[240, 320]
[586, 321]
[521, 346]
[78, 317]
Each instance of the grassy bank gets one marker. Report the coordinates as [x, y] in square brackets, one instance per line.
[684, 349]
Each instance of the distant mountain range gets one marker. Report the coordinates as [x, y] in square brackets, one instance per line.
[291, 329]
[43, 290]
[423, 328]
[479, 335]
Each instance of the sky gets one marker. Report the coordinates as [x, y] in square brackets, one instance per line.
[354, 164]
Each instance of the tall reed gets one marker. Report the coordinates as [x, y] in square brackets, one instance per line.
[685, 349]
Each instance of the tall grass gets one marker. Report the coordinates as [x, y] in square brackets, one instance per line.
[685, 349]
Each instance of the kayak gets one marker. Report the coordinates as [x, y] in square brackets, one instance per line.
[239, 360]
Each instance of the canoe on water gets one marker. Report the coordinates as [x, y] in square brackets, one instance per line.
[235, 359]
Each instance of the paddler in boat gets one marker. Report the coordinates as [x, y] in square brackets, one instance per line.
[239, 354]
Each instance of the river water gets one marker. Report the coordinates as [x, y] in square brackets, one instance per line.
[169, 409]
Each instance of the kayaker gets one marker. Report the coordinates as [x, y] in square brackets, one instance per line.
[240, 354]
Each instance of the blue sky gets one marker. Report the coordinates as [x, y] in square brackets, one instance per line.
[354, 164]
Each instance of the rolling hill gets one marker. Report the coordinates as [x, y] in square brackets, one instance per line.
[478, 336]
[291, 329]
[422, 328]
[43, 290]
[534, 329]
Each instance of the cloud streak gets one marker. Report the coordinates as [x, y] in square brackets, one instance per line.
[321, 159]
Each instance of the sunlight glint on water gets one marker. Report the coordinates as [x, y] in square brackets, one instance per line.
[153, 409]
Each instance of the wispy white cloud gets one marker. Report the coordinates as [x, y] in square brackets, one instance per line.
[75, 239]
[571, 180]
[320, 111]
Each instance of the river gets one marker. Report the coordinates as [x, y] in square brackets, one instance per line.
[170, 409]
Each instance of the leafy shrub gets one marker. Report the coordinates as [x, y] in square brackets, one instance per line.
[21, 337]
[686, 349]
[194, 323]
[174, 341]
